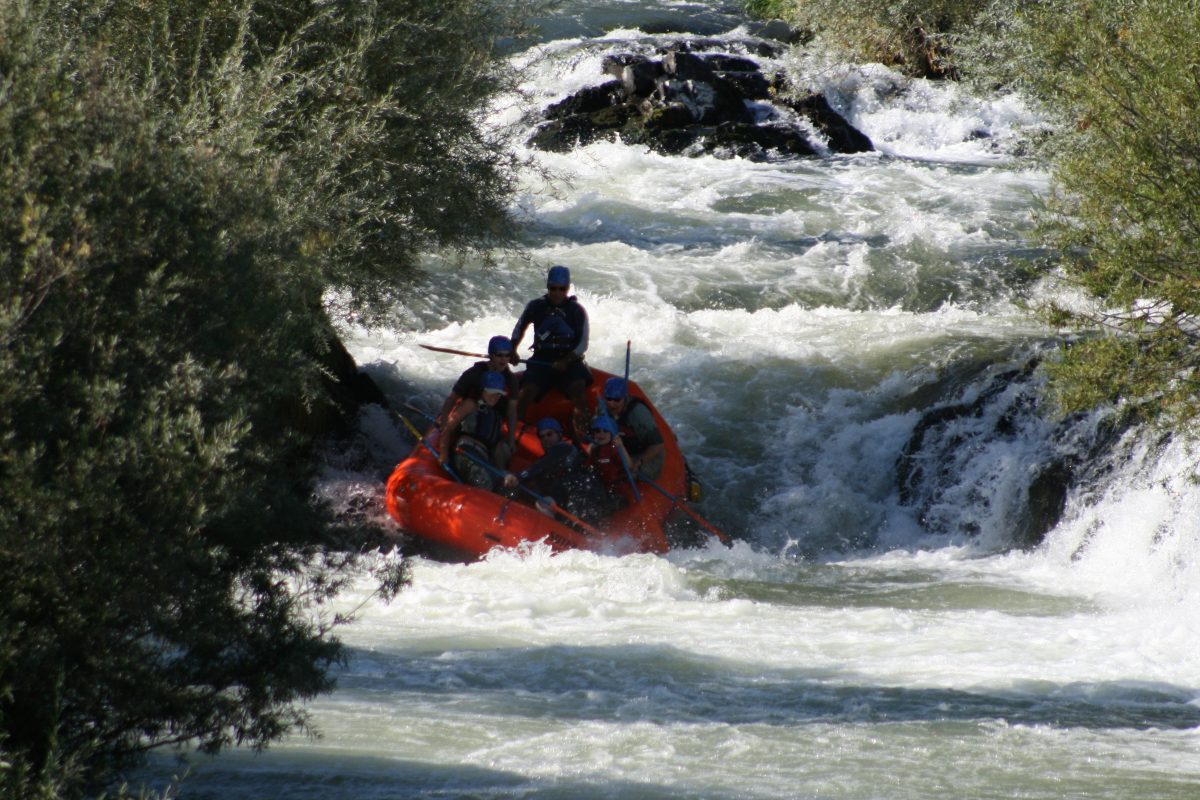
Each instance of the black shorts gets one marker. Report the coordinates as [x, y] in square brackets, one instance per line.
[544, 376]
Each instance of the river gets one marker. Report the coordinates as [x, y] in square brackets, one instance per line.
[795, 320]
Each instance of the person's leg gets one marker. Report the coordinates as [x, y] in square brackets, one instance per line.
[501, 454]
[535, 381]
[527, 395]
[576, 393]
[471, 472]
[575, 383]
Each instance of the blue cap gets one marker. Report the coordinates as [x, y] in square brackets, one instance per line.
[499, 344]
[558, 276]
[605, 424]
[548, 424]
[616, 388]
[494, 382]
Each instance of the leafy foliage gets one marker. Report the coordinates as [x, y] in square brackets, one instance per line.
[367, 116]
[1127, 209]
[915, 35]
[184, 181]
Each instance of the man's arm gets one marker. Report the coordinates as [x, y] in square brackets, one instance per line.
[584, 332]
[450, 402]
[648, 434]
[522, 323]
[449, 436]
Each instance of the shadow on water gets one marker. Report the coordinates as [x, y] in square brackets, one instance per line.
[662, 685]
[318, 773]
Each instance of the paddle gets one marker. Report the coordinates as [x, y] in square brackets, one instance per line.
[637, 496]
[553, 506]
[477, 355]
[453, 351]
[725, 540]
[421, 439]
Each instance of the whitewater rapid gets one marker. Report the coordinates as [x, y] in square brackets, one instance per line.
[795, 321]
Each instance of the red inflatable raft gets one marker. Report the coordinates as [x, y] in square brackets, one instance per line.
[468, 522]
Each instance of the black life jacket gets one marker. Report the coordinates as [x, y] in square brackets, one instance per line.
[553, 334]
[484, 425]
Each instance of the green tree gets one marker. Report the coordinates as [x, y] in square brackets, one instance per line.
[1126, 210]
[917, 36]
[184, 183]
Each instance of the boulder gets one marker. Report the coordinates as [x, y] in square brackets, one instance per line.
[563, 134]
[843, 137]
[640, 78]
[686, 66]
[693, 100]
[586, 101]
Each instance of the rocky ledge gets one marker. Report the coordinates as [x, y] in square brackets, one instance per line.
[693, 101]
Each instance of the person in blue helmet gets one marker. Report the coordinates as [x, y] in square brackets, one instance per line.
[639, 432]
[560, 340]
[470, 386]
[477, 427]
[606, 456]
[562, 475]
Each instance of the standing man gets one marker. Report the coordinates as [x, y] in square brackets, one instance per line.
[560, 339]
[469, 386]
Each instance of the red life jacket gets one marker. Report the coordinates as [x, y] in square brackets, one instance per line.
[605, 461]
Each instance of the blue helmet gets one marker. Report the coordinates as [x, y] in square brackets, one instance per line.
[558, 276]
[498, 345]
[605, 424]
[616, 389]
[548, 424]
[494, 382]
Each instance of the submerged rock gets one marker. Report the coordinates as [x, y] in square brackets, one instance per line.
[998, 463]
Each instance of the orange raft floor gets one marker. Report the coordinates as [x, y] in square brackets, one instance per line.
[429, 504]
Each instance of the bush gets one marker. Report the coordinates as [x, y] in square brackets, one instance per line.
[184, 183]
[1126, 211]
[146, 489]
[916, 36]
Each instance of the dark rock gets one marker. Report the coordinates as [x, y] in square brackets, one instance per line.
[843, 137]
[346, 388]
[751, 85]
[723, 62]
[756, 141]
[666, 116]
[615, 64]
[691, 101]
[612, 117]
[577, 130]
[687, 66]
[1047, 500]
[710, 102]
[641, 77]
[779, 30]
[586, 101]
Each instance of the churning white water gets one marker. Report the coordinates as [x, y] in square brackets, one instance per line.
[841, 345]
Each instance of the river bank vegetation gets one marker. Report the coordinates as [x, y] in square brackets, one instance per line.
[1120, 79]
[186, 181]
